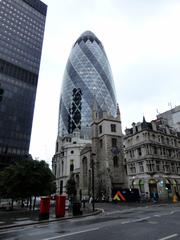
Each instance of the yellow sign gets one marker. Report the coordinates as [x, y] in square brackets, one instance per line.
[116, 197]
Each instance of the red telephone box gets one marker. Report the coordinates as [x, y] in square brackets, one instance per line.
[44, 208]
[60, 206]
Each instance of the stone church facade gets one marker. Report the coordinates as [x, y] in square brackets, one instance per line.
[106, 156]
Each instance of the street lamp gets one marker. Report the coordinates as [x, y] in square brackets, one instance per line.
[92, 166]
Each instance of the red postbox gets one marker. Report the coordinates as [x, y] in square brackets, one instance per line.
[44, 208]
[60, 206]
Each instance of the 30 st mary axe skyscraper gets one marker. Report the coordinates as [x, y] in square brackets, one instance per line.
[22, 24]
[87, 80]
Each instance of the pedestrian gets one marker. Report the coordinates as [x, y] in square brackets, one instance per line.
[83, 201]
[90, 200]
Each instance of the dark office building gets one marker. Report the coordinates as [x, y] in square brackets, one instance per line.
[22, 24]
[87, 80]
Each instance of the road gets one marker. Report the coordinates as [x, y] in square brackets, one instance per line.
[155, 222]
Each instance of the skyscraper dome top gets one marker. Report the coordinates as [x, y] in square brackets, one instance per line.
[88, 35]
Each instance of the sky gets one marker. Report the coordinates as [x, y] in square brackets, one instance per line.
[142, 42]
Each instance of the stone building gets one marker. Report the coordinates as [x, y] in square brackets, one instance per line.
[152, 152]
[106, 155]
[67, 159]
[172, 116]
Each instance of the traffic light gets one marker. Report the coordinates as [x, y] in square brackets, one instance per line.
[1, 93]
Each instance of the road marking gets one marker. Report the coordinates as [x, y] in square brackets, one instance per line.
[125, 222]
[10, 231]
[168, 237]
[135, 220]
[113, 212]
[21, 228]
[70, 234]
[140, 219]
[152, 222]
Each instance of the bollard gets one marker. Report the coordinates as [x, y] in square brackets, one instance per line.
[76, 209]
[174, 199]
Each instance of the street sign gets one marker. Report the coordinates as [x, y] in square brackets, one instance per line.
[119, 197]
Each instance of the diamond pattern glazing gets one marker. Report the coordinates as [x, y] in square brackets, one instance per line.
[87, 69]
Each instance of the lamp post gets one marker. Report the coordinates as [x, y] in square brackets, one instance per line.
[1, 93]
[92, 166]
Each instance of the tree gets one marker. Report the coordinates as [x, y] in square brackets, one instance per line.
[71, 188]
[26, 179]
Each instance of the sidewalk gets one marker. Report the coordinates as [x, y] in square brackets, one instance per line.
[22, 216]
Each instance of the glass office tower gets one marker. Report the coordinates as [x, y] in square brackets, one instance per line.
[87, 81]
[22, 24]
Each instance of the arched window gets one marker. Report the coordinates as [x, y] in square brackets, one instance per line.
[85, 171]
[62, 167]
[115, 161]
[77, 181]
[71, 166]
[84, 161]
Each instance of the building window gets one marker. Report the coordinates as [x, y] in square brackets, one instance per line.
[150, 166]
[113, 127]
[166, 167]
[71, 166]
[169, 152]
[139, 151]
[72, 152]
[114, 142]
[153, 137]
[61, 186]
[62, 167]
[85, 171]
[100, 129]
[172, 168]
[157, 166]
[141, 167]
[132, 168]
[164, 151]
[115, 161]
[57, 147]
[155, 150]
[101, 143]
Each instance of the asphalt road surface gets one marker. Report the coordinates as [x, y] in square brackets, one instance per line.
[155, 222]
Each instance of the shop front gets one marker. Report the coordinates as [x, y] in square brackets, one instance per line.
[160, 188]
